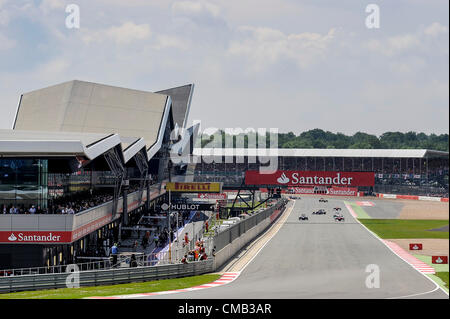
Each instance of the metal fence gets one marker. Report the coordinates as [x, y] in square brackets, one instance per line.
[101, 264]
[411, 190]
[230, 234]
[104, 277]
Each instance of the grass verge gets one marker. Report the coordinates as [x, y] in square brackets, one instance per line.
[121, 289]
[359, 211]
[405, 228]
[444, 277]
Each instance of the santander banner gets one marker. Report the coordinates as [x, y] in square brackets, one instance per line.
[336, 191]
[311, 178]
[220, 196]
[22, 237]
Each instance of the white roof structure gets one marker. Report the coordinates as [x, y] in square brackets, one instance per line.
[308, 152]
[139, 117]
[181, 99]
[39, 143]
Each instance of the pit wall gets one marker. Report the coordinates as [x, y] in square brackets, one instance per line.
[235, 245]
[413, 197]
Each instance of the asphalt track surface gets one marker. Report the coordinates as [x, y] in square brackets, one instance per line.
[321, 259]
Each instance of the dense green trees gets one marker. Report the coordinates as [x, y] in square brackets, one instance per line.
[318, 138]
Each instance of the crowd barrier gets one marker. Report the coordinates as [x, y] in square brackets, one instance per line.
[104, 277]
[227, 244]
[413, 197]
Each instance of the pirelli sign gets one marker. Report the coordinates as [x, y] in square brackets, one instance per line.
[194, 187]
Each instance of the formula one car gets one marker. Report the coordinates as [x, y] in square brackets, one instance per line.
[320, 212]
[303, 217]
[337, 209]
[339, 218]
[322, 200]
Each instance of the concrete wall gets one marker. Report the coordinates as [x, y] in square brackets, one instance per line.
[225, 254]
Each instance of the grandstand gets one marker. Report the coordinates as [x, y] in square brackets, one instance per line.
[397, 171]
[81, 161]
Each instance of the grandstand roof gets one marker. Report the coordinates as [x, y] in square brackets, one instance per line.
[307, 152]
[181, 102]
[39, 143]
[85, 107]
[139, 117]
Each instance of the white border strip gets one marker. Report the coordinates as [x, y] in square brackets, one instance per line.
[381, 240]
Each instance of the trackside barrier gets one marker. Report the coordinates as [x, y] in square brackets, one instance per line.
[105, 277]
[413, 197]
[233, 239]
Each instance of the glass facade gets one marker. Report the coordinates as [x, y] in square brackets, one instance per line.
[23, 182]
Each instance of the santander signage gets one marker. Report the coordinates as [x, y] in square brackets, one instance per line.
[34, 237]
[311, 178]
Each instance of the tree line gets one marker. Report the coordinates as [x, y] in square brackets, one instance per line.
[318, 138]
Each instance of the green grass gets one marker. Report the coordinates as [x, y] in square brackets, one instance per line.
[427, 260]
[122, 289]
[406, 228]
[359, 211]
[444, 277]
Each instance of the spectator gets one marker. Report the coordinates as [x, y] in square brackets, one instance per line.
[186, 239]
[156, 239]
[133, 261]
[184, 260]
[114, 252]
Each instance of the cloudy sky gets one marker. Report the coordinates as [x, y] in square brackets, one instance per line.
[289, 64]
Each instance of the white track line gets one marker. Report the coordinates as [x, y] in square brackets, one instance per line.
[376, 236]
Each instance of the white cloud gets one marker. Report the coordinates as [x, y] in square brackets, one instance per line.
[4, 17]
[266, 46]
[124, 34]
[394, 45]
[6, 43]
[169, 41]
[49, 5]
[435, 29]
[192, 8]
[407, 42]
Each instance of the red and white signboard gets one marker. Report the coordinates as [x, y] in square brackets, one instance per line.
[24, 237]
[311, 178]
[415, 246]
[335, 191]
[343, 191]
[439, 259]
[220, 196]
[365, 203]
[301, 190]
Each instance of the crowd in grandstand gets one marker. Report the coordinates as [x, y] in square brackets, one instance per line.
[68, 204]
[431, 176]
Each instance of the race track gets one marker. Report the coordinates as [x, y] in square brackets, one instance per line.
[322, 259]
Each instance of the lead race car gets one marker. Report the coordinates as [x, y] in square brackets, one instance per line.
[323, 200]
[303, 217]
